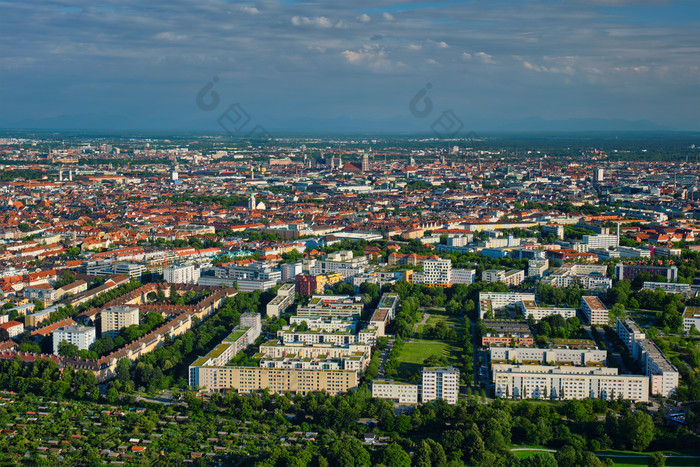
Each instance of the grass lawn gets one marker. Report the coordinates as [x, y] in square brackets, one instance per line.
[644, 461]
[451, 321]
[413, 354]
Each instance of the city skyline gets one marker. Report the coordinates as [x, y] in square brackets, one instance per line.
[295, 66]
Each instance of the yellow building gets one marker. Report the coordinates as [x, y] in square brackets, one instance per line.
[254, 379]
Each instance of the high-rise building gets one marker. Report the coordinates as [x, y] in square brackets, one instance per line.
[187, 274]
[598, 175]
[437, 272]
[115, 318]
[365, 162]
[80, 336]
[440, 383]
[595, 311]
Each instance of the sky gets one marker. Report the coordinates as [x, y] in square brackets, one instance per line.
[350, 65]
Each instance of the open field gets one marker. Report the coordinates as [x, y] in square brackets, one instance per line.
[413, 354]
[452, 321]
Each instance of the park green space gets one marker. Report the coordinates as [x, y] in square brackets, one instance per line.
[415, 352]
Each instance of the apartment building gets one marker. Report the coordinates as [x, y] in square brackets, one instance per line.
[440, 383]
[530, 308]
[589, 276]
[115, 318]
[396, 391]
[629, 333]
[282, 301]
[506, 332]
[667, 287]
[341, 262]
[512, 277]
[490, 302]
[601, 241]
[537, 267]
[557, 356]
[338, 306]
[248, 380]
[691, 318]
[463, 276]
[662, 374]
[437, 272]
[81, 336]
[567, 382]
[630, 271]
[595, 311]
[186, 274]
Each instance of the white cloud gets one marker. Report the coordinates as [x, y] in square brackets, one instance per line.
[414, 47]
[169, 36]
[467, 56]
[319, 21]
[364, 18]
[388, 16]
[485, 58]
[251, 10]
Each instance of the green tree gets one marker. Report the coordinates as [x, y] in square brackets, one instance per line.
[638, 429]
[657, 459]
[394, 456]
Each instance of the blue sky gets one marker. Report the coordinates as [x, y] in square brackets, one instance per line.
[292, 65]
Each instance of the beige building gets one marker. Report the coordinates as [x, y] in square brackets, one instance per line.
[530, 308]
[396, 391]
[254, 379]
[564, 382]
[552, 356]
[498, 301]
[595, 311]
[282, 301]
[115, 318]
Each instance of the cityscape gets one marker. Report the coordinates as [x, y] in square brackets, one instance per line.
[178, 273]
[310, 234]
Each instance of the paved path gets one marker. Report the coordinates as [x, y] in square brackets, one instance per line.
[426, 316]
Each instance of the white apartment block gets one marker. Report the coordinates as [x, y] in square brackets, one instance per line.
[557, 356]
[283, 300]
[512, 277]
[662, 374]
[537, 267]
[668, 287]
[275, 349]
[630, 252]
[130, 269]
[496, 301]
[463, 276]
[591, 276]
[342, 262]
[530, 308]
[595, 311]
[186, 274]
[629, 334]
[440, 383]
[290, 271]
[326, 324]
[601, 241]
[396, 391]
[339, 306]
[80, 336]
[115, 318]
[547, 382]
[437, 272]
[691, 318]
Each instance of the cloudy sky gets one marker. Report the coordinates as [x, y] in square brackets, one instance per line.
[135, 64]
